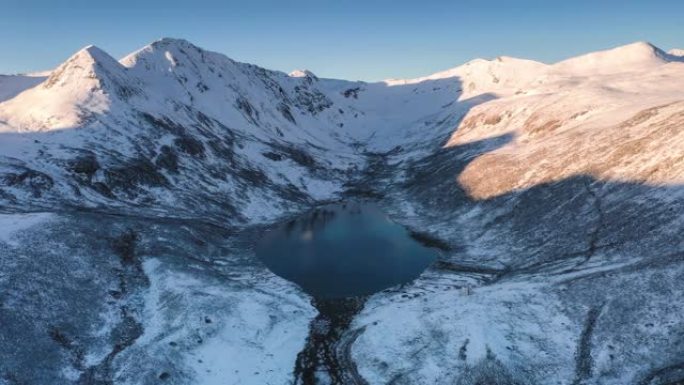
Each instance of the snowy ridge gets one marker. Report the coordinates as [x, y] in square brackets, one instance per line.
[676, 52]
[89, 82]
[13, 85]
[631, 57]
[487, 75]
[189, 111]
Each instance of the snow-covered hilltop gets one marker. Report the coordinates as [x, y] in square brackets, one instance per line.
[557, 190]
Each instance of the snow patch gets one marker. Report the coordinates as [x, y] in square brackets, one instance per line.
[13, 224]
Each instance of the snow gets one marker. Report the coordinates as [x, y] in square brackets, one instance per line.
[12, 225]
[492, 138]
[13, 85]
[302, 74]
[248, 334]
[263, 353]
[79, 85]
[481, 75]
[491, 321]
[632, 57]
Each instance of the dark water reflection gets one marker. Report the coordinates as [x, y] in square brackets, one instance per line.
[344, 250]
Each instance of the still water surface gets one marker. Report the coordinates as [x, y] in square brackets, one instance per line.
[344, 250]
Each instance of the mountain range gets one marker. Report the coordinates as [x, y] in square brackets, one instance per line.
[130, 191]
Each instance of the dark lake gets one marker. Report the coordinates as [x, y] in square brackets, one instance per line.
[344, 250]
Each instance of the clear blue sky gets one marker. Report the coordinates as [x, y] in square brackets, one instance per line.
[369, 39]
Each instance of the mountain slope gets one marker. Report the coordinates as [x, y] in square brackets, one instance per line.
[88, 83]
[632, 57]
[13, 85]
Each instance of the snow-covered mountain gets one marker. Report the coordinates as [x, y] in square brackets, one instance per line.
[11, 85]
[131, 190]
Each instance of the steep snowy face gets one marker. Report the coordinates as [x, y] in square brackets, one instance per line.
[90, 67]
[178, 72]
[267, 104]
[88, 83]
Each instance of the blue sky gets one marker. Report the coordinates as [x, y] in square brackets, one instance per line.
[368, 40]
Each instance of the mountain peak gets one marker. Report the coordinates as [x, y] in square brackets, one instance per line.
[301, 73]
[168, 53]
[638, 50]
[638, 45]
[92, 55]
[626, 58]
[86, 84]
[676, 52]
[94, 52]
[90, 62]
[304, 74]
[166, 42]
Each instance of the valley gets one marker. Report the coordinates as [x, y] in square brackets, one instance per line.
[133, 193]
